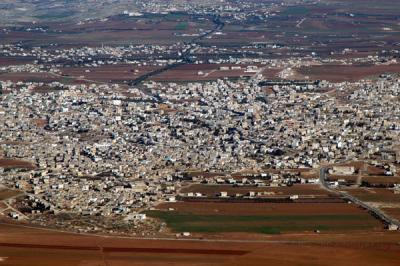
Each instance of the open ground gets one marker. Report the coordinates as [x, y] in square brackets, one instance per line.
[43, 247]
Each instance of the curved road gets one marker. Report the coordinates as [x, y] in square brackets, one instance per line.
[374, 211]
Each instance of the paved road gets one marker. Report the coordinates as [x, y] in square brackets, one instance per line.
[374, 211]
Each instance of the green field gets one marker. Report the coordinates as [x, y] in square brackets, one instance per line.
[181, 26]
[295, 11]
[265, 224]
[173, 16]
[56, 15]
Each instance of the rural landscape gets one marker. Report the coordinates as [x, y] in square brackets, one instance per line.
[228, 132]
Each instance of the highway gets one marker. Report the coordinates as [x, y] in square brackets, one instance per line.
[374, 211]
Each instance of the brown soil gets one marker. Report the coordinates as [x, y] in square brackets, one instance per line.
[20, 246]
[212, 190]
[8, 193]
[29, 77]
[110, 73]
[13, 60]
[382, 195]
[372, 180]
[11, 163]
[210, 72]
[40, 122]
[340, 73]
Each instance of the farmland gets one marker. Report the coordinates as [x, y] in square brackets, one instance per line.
[374, 181]
[213, 190]
[13, 163]
[341, 73]
[29, 77]
[115, 30]
[385, 199]
[325, 27]
[123, 73]
[188, 132]
[394, 212]
[8, 193]
[264, 218]
[202, 72]
[45, 247]
[378, 195]
[6, 61]
[111, 73]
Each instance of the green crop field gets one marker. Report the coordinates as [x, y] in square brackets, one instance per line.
[296, 11]
[265, 224]
[181, 26]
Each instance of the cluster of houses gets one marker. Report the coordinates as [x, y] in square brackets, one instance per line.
[111, 151]
[99, 152]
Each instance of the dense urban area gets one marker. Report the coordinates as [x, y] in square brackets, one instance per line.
[240, 121]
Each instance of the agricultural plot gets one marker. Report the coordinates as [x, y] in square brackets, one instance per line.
[213, 190]
[376, 195]
[323, 27]
[115, 30]
[11, 163]
[46, 248]
[385, 199]
[31, 77]
[264, 218]
[341, 73]
[7, 193]
[202, 72]
[15, 60]
[109, 73]
[373, 181]
[393, 212]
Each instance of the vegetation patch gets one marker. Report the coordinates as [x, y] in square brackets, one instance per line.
[264, 224]
[181, 26]
[296, 11]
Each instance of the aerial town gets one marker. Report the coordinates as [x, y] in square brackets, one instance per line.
[200, 122]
